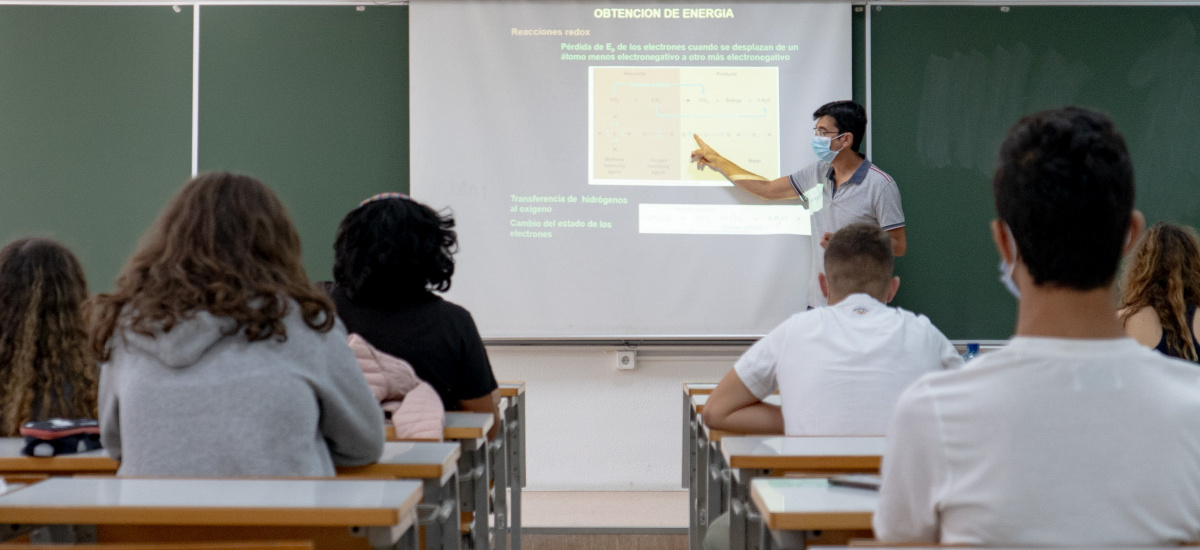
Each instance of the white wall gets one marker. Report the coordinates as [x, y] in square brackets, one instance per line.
[593, 427]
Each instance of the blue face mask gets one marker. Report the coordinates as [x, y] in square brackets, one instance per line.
[820, 145]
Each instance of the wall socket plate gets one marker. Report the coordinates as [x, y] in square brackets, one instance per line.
[626, 359]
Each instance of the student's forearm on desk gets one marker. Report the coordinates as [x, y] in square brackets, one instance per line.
[490, 404]
[760, 418]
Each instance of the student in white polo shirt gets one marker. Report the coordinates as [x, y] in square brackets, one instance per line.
[1073, 434]
[839, 369]
[853, 190]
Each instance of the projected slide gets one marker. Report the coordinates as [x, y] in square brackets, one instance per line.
[559, 132]
[642, 121]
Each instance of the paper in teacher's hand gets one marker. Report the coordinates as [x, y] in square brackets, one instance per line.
[719, 163]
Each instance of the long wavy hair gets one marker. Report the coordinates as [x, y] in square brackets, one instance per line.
[225, 245]
[46, 366]
[1163, 272]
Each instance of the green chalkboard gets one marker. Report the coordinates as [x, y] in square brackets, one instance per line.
[95, 124]
[948, 81]
[313, 100]
[96, 116]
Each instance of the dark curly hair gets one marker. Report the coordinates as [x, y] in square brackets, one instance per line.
[224, 244]
[392, 247]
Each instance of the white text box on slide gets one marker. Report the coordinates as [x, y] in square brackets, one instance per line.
[723, 219]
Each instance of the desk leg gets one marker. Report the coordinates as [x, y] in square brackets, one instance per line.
[498, 455]
[481, 471]
[399, 537]
[687, 442]
[516, 480]
[715, 502]
[700, 484]
[473, 475]
[441, 532]
[521, 425]
[741, 524]
[692, 470]
[410, 540]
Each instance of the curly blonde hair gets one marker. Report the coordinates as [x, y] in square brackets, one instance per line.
[225, 245]
[1163, 273]
[44, 360]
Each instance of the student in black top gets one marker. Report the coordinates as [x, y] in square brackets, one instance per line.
[1162, 289]
[390, 256]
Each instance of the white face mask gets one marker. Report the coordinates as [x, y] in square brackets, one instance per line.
[1006, 269]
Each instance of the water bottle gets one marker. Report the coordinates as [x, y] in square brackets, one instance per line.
[972, 351]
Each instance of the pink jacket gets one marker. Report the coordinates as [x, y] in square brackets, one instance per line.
[417, 411]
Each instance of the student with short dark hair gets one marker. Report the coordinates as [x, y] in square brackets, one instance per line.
[219, 358]
[839, 369]
[1161, 291]
[45, 363]
[853, 190]
[390, 255]
[1072, 434]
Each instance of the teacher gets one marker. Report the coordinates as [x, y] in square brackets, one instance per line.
[853, 190]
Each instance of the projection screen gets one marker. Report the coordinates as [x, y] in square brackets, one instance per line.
[558, 134]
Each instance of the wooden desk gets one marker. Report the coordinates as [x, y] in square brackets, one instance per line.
[714, 490]
[804, 454]
[13, 462]
[410, 460]
[433, 463]
[466, 425]
[792, 505]
[470, 431]
[383, 511]
[694, 465]
[514, 443]
[436, 465]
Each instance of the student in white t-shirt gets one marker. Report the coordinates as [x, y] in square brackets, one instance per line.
[839, 369]
[1072, 434]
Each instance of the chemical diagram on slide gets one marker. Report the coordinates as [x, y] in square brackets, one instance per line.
[641, 121]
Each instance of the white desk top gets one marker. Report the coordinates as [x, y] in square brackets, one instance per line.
[812, 504]
[849, 454]
[466, 425]
[695, 388]
[511, 389]
[401, 459]
[411, 459]
[216, 502]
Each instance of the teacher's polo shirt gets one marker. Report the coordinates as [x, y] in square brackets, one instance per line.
[870, 196]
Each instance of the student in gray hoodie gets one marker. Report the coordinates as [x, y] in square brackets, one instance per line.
[218, 357]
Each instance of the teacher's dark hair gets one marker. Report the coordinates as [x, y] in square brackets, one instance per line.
[849, 117]
[1064, 185]
[392, 247]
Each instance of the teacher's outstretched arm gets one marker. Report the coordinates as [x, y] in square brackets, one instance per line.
[776, 189]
